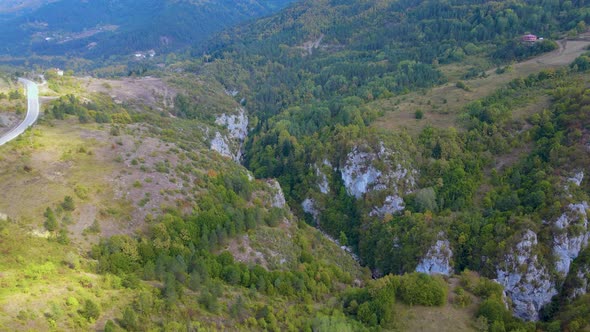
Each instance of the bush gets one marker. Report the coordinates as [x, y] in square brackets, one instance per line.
[110, 326]
[129, 320]
[51, 223]
[463, 86]
[419, 114]
[494, 310]
[91, 311]
[68, 204]
[422, 289]
[72, 302]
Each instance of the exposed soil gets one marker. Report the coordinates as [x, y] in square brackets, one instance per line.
[8, 120]
[150, 91]
[128, 178]
[242, 251]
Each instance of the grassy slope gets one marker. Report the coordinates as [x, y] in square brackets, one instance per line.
[116, 173]
[37, 283]
[441, 105]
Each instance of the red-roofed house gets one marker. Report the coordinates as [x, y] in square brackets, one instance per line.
[529, 38]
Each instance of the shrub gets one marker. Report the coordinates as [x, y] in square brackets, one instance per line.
[72, 302]
[494, 310]
[51, 223]
[68, 204]
[422, 289]
[419, 114]
[110, 326]
[91, 311]
[463, 86]
[129, 320]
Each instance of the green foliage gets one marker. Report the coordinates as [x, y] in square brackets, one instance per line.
[516, 50]
[425, 200]
[421, 289]
[463, 86]
[68, 204]
[110, 326]
[184, 23]
[419, 114]
[129, 321]
[90, 311]
[50, 223]
[581, 64]
[101, 110]
[15, 95]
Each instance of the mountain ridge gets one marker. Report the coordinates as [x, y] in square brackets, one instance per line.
[56, 28]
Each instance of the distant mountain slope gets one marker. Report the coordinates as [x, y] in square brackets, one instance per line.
[97, 28]
[16, 7]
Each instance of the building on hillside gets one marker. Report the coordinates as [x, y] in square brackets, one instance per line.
[529, 38]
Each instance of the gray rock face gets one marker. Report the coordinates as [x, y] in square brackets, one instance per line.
[392, 205]
[525, 281]
[577, 178]
[277, 198]
[323, 181]
[572, 237]
[237, 126]
[219, 144]
[361, 176]
[582, 289]
[309, 206]
[437, 259]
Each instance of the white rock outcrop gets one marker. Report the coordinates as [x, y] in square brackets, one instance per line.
[278, 198]
[582, 289]
[219, 143]
[231, 92]
[309, 206]
[577, 178]
[322, 181]
[392, 205]
[237, 126]
[525, 281]
[361, 176]
[572, 236]
[437, 259]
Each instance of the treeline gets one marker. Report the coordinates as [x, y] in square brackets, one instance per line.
[376, 49]
[87, 111]
[178, 251]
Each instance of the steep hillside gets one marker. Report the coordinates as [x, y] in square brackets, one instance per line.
[102, 28]
[339, 166]
[130, 192]
[319, 78]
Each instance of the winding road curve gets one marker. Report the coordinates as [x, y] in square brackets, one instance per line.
[32, 112]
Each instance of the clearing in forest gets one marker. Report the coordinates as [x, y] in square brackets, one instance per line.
[441, 105]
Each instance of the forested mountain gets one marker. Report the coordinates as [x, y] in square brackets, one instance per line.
[15, 8]
[313, 76]
[107, 27]
[340, 165]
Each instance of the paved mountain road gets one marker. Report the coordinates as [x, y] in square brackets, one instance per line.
[32, 112]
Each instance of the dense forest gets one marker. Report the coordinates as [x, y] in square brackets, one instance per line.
[311, 73]
[99, 29]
